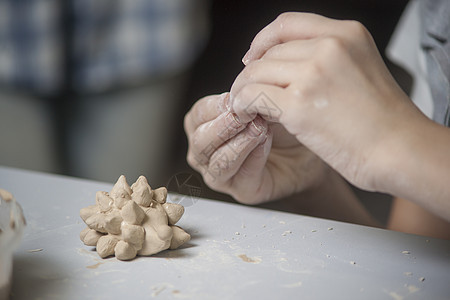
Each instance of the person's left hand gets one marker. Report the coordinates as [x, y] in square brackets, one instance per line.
[253, 162]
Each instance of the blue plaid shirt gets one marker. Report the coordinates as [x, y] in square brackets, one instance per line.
[114, 42]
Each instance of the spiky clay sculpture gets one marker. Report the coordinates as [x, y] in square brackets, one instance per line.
[132, 221]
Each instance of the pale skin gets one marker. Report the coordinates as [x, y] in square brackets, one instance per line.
[341, 115]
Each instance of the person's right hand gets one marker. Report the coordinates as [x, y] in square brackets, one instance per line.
[335, 93]
[254, 162]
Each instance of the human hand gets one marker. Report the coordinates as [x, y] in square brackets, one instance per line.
[334, 92]
[254, 162]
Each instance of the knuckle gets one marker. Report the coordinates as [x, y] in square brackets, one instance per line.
[247, 92]
[186, 122]
[314, 71]
[356, 29]
[194, 141]
[284, 18]
[302, 91]
[332, 45]
[190, 158]
[193, 116]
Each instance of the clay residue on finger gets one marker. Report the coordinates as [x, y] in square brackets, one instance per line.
[130, 221]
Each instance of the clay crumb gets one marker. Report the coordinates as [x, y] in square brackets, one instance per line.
[412, 288]
[6, 196]
[395, 296]
[422, 279]
[158, 290]
[35, 250]
[264, 226]
[353, 262]
[330, 228]
[95, 266]
[314, 230]
[406, 252]
[286, 232]
[245, 258]
[237, 233]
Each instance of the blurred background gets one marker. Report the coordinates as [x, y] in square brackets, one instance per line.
[99, 88]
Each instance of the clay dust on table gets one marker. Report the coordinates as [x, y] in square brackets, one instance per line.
[130, 221]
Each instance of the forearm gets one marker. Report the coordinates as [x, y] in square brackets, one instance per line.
[416, 167]
[332, 198]
[409, 217]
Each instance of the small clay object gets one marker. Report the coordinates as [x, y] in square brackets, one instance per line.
[130, 221]
[12, 223]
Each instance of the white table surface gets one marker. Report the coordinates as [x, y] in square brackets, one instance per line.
[236, 252]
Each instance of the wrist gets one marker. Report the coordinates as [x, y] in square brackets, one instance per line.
[393, 157]
[415, 165]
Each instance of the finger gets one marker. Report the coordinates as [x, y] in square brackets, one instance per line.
[290, 26]
[293, 50]
[271, 72]
[227, 160]
[204, 110]
[258, 72]
[208, 137]
[252, 181]
[264, 100]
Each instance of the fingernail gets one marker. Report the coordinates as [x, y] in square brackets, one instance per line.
[257, 127]
[246, 59]
[236, 119]
[231, 126]
[232, 120]
[231, 100]
[255, 130]
[226, 101]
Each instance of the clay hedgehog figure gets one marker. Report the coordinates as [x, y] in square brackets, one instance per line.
[130, 221]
